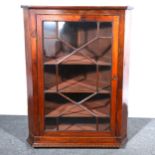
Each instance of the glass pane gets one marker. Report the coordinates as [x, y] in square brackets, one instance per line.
[67, 33]
[49, 29]
[77, 75]
[77, 33]
[105, 29]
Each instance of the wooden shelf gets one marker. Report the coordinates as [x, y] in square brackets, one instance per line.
[76, 60]
[77, 86]
[101, 107]
[78, 127]
[74, 111]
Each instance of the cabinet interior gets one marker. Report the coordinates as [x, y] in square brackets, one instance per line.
[77, 63]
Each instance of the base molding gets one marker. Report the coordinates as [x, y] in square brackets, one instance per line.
[70, 142]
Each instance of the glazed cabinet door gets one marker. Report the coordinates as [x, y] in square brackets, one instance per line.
[77, 70]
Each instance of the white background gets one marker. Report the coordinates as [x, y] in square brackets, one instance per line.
[13, 93]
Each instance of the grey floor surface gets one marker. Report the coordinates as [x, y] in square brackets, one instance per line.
[13, 134]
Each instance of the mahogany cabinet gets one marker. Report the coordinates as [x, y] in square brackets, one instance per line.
[76, 76]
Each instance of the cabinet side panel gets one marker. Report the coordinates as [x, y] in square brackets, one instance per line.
[126, 67]
[32, 109]
[121, 106]
[28, 70]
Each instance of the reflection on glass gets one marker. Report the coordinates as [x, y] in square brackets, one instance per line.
[67, 32]
[49, 29]
[77, 73]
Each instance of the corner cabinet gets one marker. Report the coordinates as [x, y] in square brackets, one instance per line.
[76, 76]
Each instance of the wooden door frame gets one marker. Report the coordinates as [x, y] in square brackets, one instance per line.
[77, 18]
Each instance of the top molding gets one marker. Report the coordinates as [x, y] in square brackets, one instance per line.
[79, 7]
